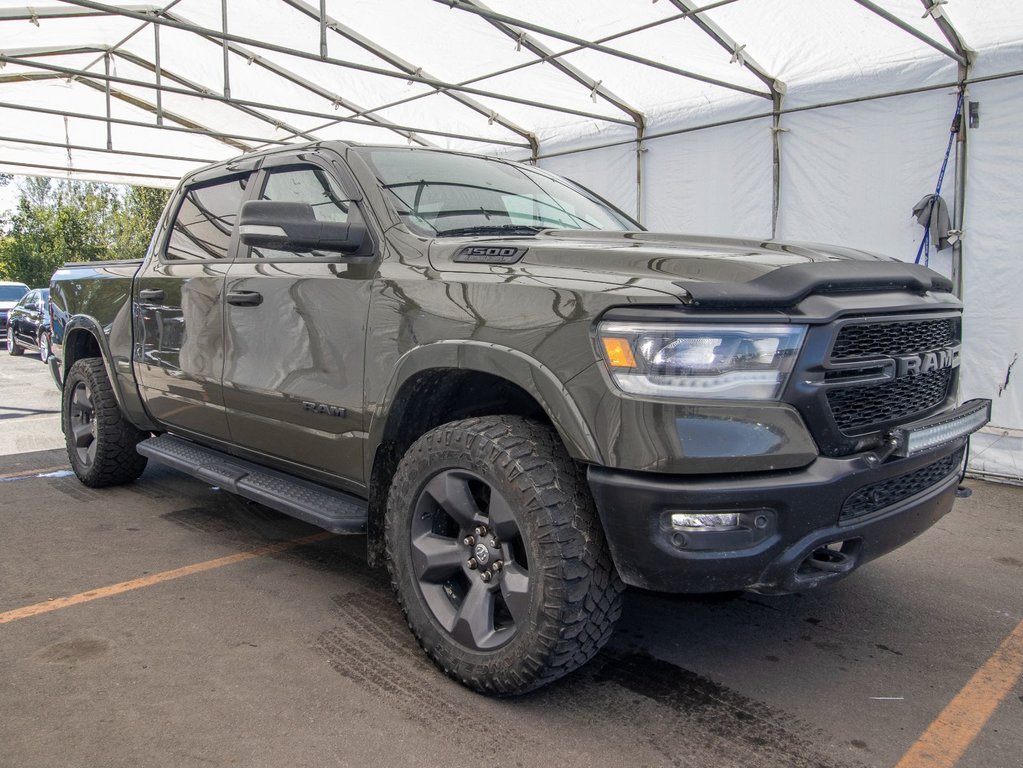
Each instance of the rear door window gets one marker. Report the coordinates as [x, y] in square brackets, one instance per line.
[205, 221]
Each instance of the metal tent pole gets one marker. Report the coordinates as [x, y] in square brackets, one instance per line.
[227, 53]
[157, 73]
[106, 69]
[892, 19]
[546, 59]
[86, 148]
[197, 93]
[389, 73]
[966, 58]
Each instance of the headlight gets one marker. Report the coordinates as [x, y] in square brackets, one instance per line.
[744, 362]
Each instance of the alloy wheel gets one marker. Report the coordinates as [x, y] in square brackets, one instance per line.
[469, 560]
[82, 423]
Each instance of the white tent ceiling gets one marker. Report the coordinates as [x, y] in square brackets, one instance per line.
[143, 93]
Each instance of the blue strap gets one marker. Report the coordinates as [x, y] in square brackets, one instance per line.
[925, 244]
[925, 247]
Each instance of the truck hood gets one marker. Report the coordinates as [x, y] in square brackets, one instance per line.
[705, 271]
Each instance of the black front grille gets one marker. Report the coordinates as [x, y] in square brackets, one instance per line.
[858, 407]
[876, 497]
[895, 338]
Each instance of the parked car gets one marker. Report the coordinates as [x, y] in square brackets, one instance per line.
[10, 294]
[525, 400]
[28, 324]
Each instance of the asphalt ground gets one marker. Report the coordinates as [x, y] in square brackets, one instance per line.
[167, 623]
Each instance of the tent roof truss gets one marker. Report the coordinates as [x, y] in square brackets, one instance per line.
[469, 93]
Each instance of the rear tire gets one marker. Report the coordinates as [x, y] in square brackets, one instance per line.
[43, 342]
[100, 441]
[14, 349]
[508, 485]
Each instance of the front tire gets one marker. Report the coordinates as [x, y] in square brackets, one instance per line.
[14, 349]
[100, 441]
[497, 555]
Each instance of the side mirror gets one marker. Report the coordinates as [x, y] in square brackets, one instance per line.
[294, 227]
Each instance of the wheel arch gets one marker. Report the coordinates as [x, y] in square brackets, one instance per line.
[442, 382]
[84, 338]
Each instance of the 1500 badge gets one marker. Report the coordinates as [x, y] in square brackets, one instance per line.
[915, 365]
[489, 254]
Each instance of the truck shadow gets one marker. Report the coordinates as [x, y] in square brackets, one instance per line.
[628, 696]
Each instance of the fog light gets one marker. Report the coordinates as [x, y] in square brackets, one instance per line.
[704, 521]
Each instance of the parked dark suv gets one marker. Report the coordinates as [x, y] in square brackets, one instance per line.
[28, 324]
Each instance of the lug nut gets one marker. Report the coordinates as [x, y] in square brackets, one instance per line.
[481, 530]
[497, 565]
[485, 575]
[472, 563]
[495, 543]
[469, 541]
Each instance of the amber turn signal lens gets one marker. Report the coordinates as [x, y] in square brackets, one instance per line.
[619, 352]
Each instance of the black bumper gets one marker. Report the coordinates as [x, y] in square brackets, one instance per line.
[786, 518]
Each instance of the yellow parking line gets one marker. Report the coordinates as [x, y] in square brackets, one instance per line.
[30, 472]
[156, 578]
[947, 738]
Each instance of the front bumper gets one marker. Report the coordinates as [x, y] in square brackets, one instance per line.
[790, 516]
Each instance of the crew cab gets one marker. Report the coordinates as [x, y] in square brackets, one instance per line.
[521, 398]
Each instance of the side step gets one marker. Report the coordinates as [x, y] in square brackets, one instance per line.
[335, 511]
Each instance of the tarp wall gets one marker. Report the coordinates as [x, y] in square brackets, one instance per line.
[850, 174]
[993, 271]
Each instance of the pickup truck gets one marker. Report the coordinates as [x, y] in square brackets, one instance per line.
[521, 398]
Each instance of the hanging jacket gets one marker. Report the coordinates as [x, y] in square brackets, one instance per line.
[932, 212]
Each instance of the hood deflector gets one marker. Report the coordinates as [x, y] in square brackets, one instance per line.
[786, 286]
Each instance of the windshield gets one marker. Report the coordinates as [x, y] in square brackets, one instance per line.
[442, 194]
[12, 292]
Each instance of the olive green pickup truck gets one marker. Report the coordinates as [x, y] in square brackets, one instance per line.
[521, 398]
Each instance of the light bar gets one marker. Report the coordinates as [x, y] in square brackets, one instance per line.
[965, 420]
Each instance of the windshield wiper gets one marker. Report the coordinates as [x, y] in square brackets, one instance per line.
[495, 229]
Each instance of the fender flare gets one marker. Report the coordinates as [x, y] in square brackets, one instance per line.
[520, 369]
[132, 409]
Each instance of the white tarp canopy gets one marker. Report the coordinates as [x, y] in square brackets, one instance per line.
[820, 120]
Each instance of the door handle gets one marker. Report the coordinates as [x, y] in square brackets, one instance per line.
[151, 294]
[244, 298]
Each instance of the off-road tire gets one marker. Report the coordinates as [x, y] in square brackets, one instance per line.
[575, 593]
[105, 454]
[14, 349]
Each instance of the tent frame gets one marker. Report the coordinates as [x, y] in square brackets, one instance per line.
[469, 94]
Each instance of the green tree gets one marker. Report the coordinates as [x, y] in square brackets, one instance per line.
[54, 223]
[135, 220]
[63, 221]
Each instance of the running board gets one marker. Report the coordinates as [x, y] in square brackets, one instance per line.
[332, 510]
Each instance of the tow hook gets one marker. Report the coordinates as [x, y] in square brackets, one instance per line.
[831, 560]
